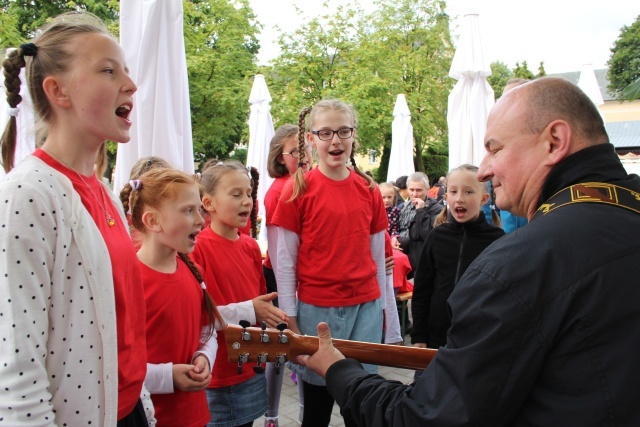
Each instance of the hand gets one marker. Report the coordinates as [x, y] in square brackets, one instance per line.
[395, 243]
[201, 368]
[326, 355]
[389, 263]
[418, 202]
[420, 345]
[182, 381]
[265, 310]
[293, 325]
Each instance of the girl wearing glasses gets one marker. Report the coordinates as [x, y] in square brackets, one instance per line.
[330, 245]
[281, 164]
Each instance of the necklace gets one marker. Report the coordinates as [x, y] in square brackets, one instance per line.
[103, 205]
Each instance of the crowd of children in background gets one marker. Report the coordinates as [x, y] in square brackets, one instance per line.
[198, 267]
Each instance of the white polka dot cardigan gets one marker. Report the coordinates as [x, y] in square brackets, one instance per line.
[58, 348]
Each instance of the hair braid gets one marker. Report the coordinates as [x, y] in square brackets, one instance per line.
[208, 304]
[370, 181]
[300, 184]
[125, 197]
[12, 66]
[255, 180]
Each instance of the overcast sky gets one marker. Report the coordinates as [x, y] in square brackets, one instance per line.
[565, 34]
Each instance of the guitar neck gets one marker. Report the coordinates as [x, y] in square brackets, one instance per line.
[250, 344]
[375, 354]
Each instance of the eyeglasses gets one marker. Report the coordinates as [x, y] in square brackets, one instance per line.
[327, 134]
[295, 153]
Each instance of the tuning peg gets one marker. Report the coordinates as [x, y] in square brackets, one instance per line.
[280, 360]
[263, 335]
[244, 335]
[262, 359]
[242, 358]
[282, 338]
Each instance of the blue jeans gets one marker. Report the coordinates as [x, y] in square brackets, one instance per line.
[362, 322]
[237, 404]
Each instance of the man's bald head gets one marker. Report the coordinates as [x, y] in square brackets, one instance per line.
[550, 98]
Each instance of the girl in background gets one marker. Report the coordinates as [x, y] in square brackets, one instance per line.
[181, 339]
[330, 245]
[389, 196]
[448, 251]
[233, 260]
[72, 302]
[281, 164]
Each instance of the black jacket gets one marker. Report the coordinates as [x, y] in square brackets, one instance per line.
[545, 325]
[447, 252]
[419, 228]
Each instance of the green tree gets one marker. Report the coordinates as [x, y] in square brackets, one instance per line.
[500, 75]
[402, 47]
[221, 46]
[624, 63]
[522, 71]
[541, 71]
[26, 16]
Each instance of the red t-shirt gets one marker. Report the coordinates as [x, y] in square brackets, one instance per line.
[127, 283]
[175, 317]
[271, 203]
[401, 266]
[233, 273]
[335, 221]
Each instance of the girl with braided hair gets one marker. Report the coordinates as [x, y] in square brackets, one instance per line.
[330, 244]
[72, 311]
[180, 314]
[233, 261]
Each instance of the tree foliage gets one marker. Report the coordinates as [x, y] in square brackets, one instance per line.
[500, 75]
[221, 44]
[367, 60]
[24, 17]
[624, 63]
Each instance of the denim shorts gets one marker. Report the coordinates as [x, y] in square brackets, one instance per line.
[237, 404]
[362, 322]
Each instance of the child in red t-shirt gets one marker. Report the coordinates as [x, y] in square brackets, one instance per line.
[180, 315]
[282, 162]
[235, 261]
[330, 244]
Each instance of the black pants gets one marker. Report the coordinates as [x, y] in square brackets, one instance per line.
[270, 278]
[318, 407]
[136, 418]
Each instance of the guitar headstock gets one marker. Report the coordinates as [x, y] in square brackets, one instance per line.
[260, 345]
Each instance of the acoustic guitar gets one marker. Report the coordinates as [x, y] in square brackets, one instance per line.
[261, 345]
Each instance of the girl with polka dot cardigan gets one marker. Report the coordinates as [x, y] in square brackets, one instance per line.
[72, 341]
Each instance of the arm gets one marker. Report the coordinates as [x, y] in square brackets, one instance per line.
[423, 285]
[483, 375]
[159, 378]
[25, 384]
[376, 241]
[235, 312]
[286, 270]
[392, 333]
[209, 349]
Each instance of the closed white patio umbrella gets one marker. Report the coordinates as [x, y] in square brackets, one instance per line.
[260, 133]
[401, 156]
[471, 99]
[589, 85]
[151, 34]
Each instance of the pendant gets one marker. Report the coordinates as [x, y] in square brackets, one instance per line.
[110, 221]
